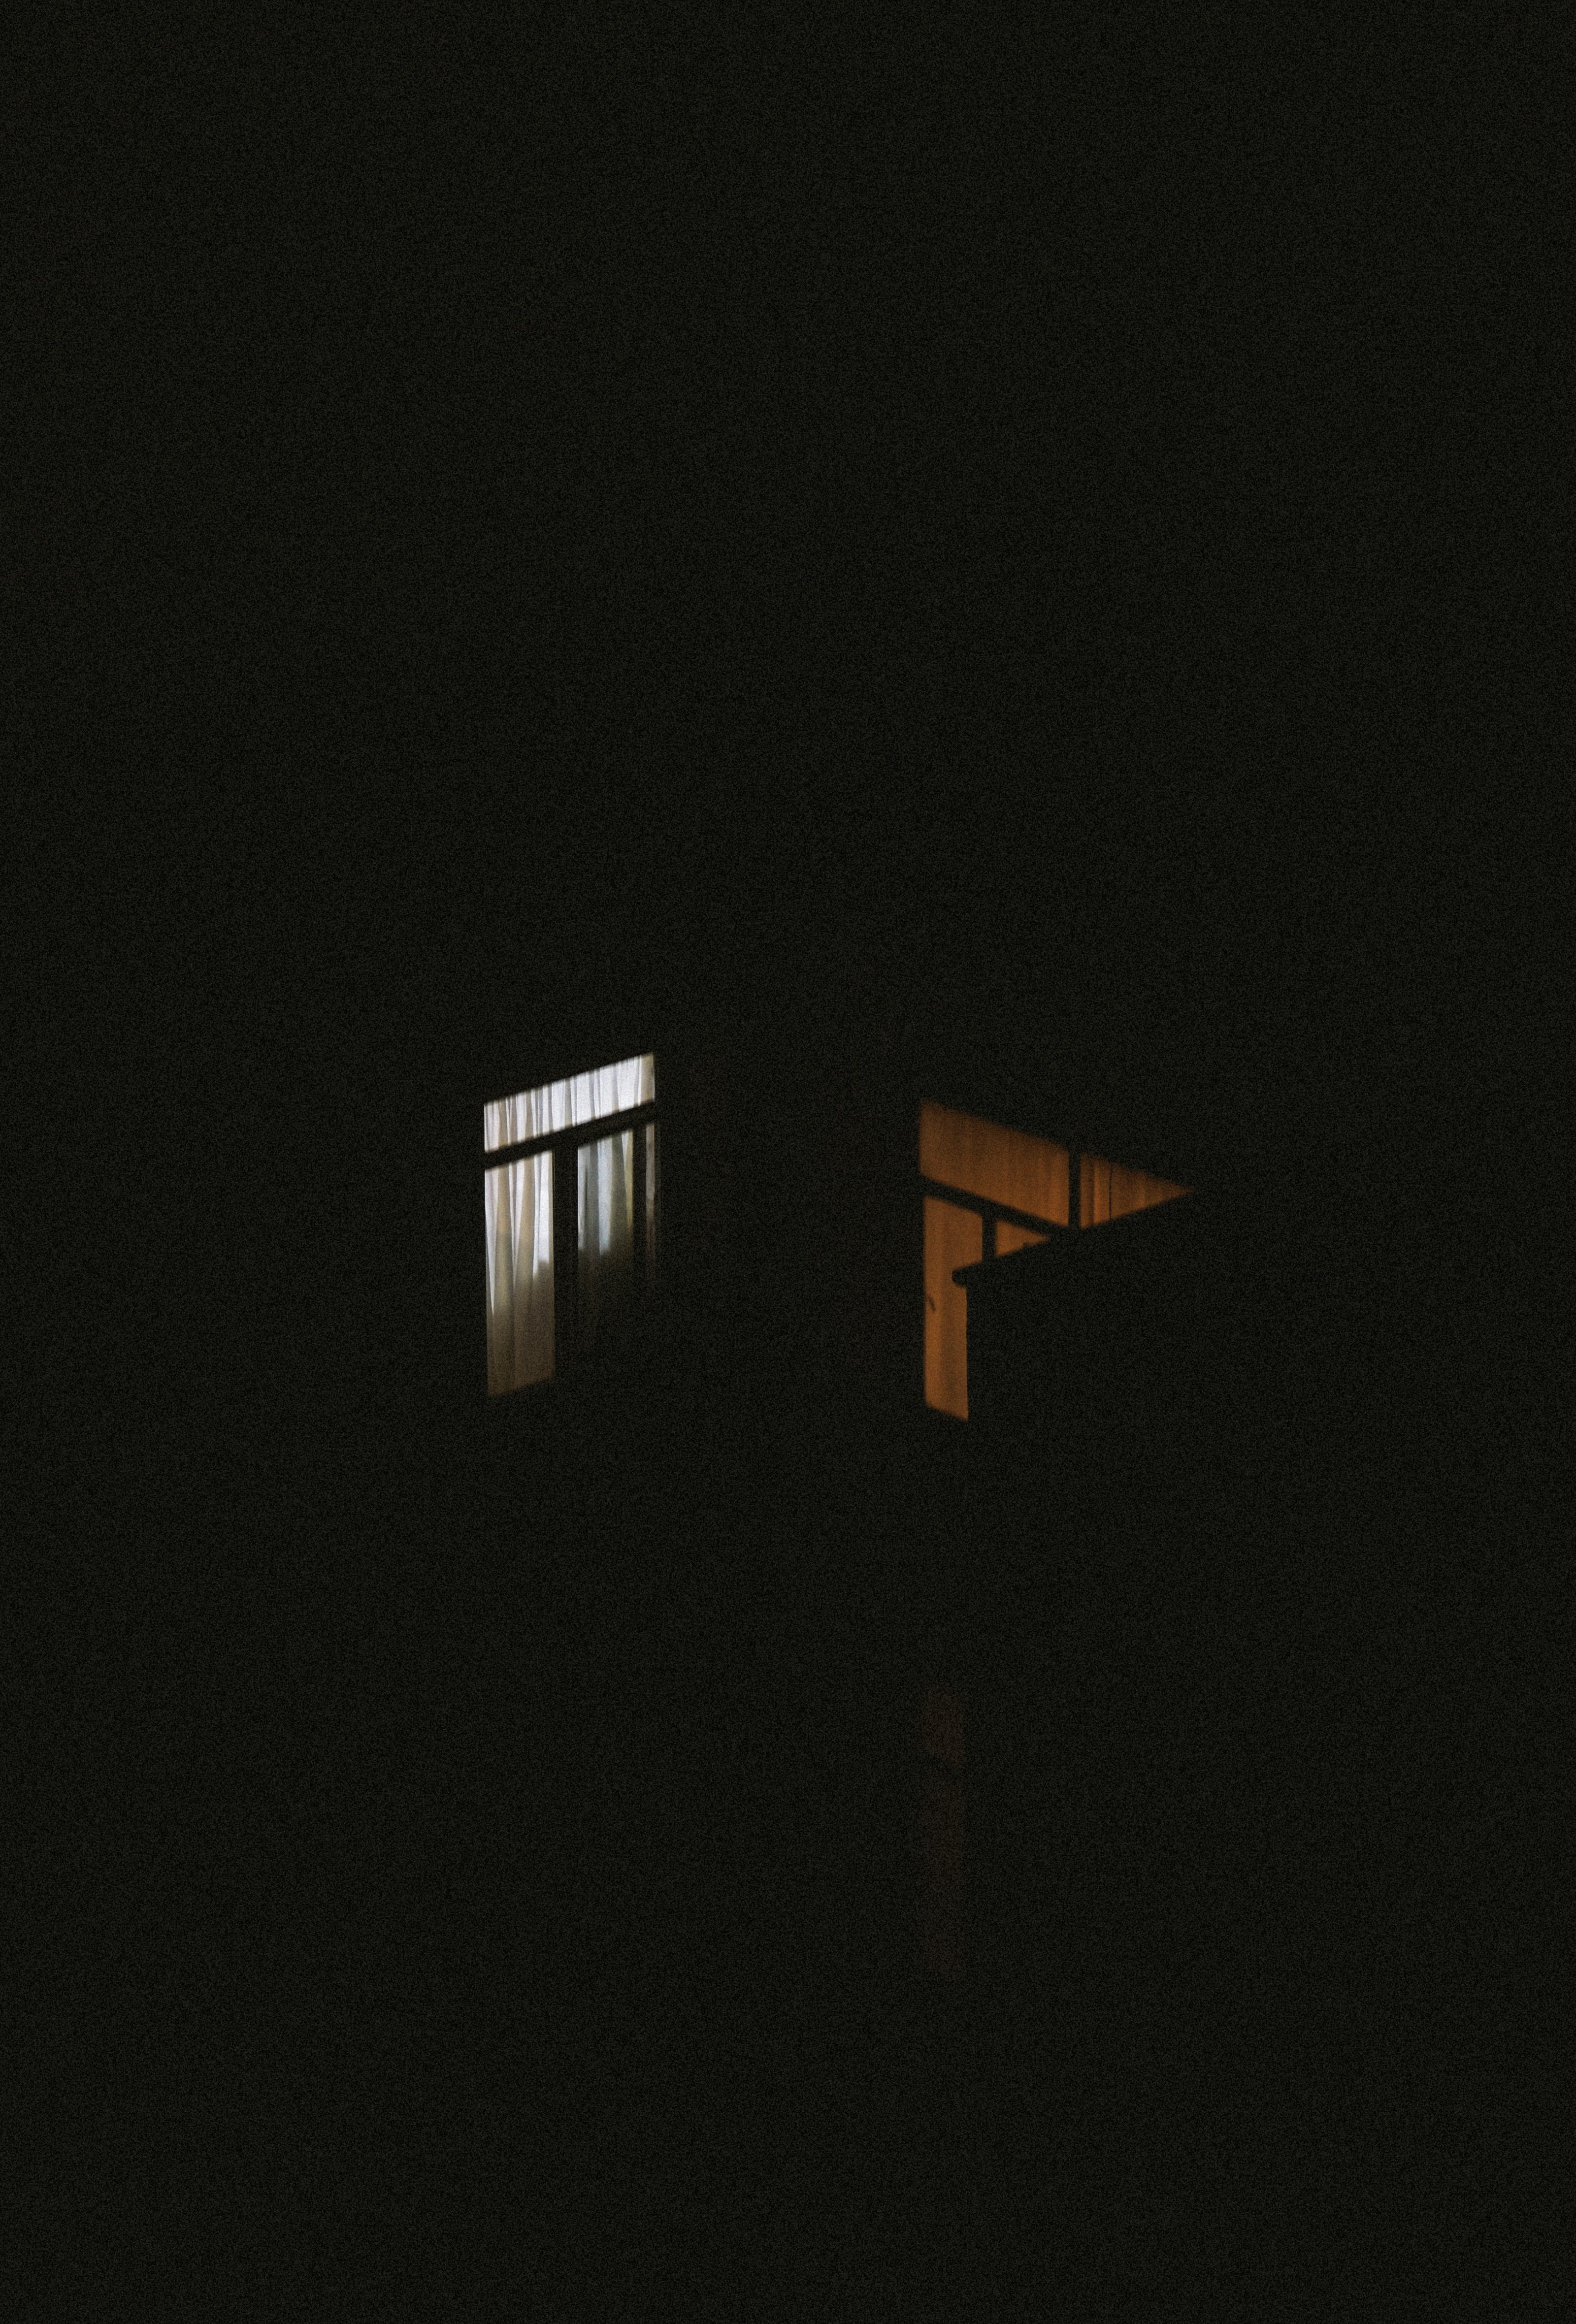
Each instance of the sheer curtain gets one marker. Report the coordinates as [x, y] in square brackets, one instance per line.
[569, 1104]
[519, 1236]
[605, 1167]
[519, 1213]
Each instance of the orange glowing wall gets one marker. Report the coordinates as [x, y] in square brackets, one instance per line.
[1021, 1173]
[1110, 1190]
[1001, 1166]
[953, 1238]
[998, 1165]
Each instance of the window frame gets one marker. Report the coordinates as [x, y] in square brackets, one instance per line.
[990, 1210]
[1084, 1191]
[568, 1354]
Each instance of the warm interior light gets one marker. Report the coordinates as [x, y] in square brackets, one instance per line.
[953, 1238]
[999, 1165]
[996, 1164]
[1004, 1169]
[1111, 1190]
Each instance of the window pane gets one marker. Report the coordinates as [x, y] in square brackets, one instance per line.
[568, 1104]
[606, 1231]
[1000, 1165]
[1110, 1190]
[518, 1208]
[953, 1238]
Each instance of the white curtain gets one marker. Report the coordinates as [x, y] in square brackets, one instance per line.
[606, 1227]
[519, 1231]
[568, 1104]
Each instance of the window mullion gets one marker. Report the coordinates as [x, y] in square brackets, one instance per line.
[494, 1157]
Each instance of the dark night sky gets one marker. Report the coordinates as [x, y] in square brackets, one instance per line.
[1054, 474]
[1070, 500]
[1070, 506]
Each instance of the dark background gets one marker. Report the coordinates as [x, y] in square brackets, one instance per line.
[1037, 549]
[1070, 511]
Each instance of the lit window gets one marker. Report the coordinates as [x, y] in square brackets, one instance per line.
[1110, 1190]
[989, 1191]
[574, 1178]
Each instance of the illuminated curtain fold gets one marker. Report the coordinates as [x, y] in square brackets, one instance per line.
[606, 1170]
[518, 1200]
[570, 1105]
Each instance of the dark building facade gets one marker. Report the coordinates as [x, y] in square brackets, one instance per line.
[990, 1782]
[873, 1752]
